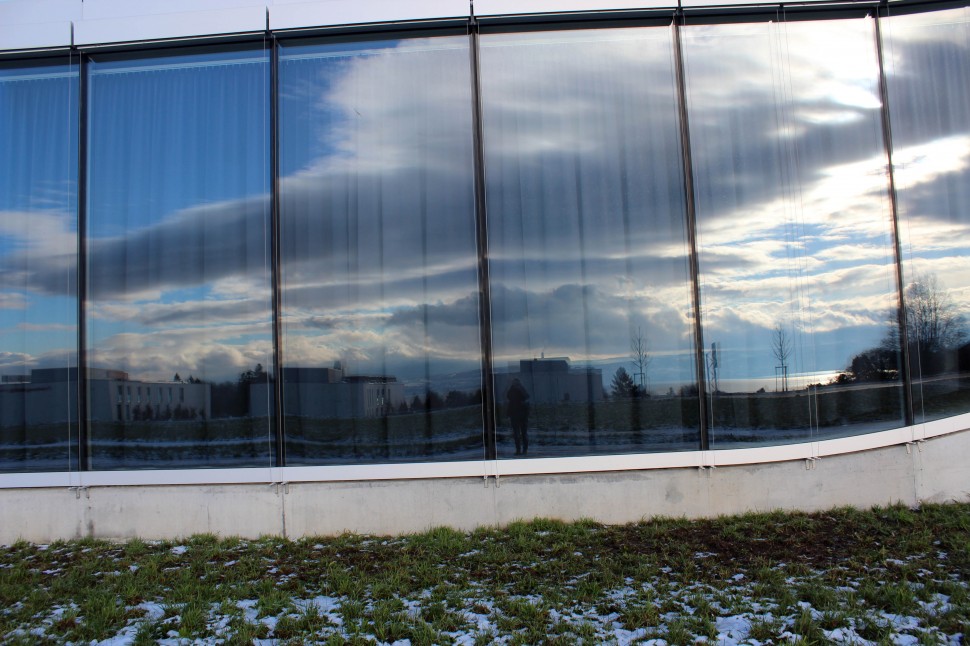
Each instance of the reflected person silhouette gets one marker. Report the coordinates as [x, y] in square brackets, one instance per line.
[518, 408]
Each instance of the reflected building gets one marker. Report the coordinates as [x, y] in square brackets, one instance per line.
[42, 398]
[39, 398]
[553, 381]
[330, 393]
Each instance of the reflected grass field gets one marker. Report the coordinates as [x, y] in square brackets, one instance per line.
[650, 424]
[453, 432]
[940, 398]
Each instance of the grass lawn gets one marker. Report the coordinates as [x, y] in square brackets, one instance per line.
[893, 575]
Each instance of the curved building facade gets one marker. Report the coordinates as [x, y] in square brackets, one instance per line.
[301, 267]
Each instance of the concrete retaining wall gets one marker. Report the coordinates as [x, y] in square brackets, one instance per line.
[933, 471]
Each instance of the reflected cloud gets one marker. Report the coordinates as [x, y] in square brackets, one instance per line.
[378, 235]
[214, 312]
[13, 361]
[583, 322]
[13, 301]
[192, 247]
[204, 353]
[46, 327]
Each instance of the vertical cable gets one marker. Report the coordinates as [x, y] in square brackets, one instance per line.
[484, 289]
[700, 363]
[84, 458]
[274, 116]
[887, 138]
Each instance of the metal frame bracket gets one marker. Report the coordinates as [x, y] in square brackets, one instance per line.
[77, 492]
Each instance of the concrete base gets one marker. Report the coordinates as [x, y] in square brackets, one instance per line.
[933, 471]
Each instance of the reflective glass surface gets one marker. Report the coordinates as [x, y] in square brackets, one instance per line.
[38, 250]
[381, 344]
[796, 255]
[179, 311]
[928, 70]
[591, 307]
[592, 321]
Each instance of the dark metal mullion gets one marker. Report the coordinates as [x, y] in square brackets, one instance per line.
[887, 137]
[83, 428]
[277, 421]
[688, 168]
[484, 288]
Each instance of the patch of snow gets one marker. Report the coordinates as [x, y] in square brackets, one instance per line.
[270, 622]
[153, 611]
[125, 637]
[328, 607]
[845, 635]
[625, 637]
[248, 606]
[732, 629]
[937, 605]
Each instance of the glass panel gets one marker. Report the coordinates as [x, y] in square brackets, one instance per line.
[178, 260]
[794, 230]
[38, 247]
[928, 66]
[381, 350]
[590, 291]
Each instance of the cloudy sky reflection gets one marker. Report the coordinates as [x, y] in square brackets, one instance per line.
[178, 258]
[585, 201]
[38, 236]
[378, 235]
[930, 95]
[794, 225]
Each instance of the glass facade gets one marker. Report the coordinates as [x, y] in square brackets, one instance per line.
[179, 306]
[591, 304]
[795, 231]
[381, 357]
[38, 251]
[517, 241]
[929, 99]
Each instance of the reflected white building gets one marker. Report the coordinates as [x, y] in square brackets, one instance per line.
[329, 393]
[48, 396]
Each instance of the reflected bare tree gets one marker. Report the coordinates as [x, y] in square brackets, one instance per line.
[781, 349]
[935, 329]
[932, 318]
[640, 348]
